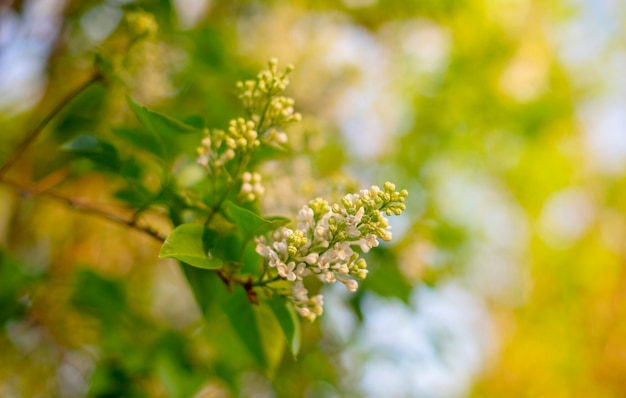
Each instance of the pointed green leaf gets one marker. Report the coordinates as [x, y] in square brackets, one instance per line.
[251, 224]
[205, 285]
[257, 328]
[271, 337]
[288, 320]
[241, 316]
[159, 123]
[191, 243]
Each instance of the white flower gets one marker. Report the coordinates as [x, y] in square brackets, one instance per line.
[286, 270]
[322, 231]
[307, 250]
[281, 248]
[274, 260]
[342, 268]
[325, 260]
[310, 258]
[261, 248]
[342, 250]
[328, 277]
[352, 222]
[367, 242]
[351, 284]
[299, 291]
[302, 271]
[305, 218]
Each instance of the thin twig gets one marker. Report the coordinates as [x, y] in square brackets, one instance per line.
[32, 136]
[85, 208]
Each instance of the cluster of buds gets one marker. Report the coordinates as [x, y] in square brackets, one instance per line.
[242, 135]
[322, 243]
[251, 187]
[219, 147]
[280, 111]
[268, 113]
[264, 103]
[214, 152]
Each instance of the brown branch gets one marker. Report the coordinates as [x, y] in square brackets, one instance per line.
[85, 208]
[32, 136]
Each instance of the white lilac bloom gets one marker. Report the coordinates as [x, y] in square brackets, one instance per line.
[324, 240]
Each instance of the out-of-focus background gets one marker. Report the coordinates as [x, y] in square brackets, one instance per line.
[504, 119]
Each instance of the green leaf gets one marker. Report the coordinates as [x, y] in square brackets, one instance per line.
[99, 296]
[94, 149]
[288, 320]
[158, 123]
[241, 316]
[229, 247]
[14, 283]
[196, 121]
[256, 327]
[251, 224]
[204, 284]
[271, 337]
[134, 194]
[251, 259]
[191, 243]
[142, 140]
[172, 365]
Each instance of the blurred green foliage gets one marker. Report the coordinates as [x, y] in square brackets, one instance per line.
[474, 113]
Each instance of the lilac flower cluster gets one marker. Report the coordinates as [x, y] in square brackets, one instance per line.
[324, 241]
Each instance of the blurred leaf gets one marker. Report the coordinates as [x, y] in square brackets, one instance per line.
[81, 114]
[110, 379]
[205, 285]
[256, 327]
[191, 243]
[135, 195]
[143, 140]
[174, 368]
[98, 296]
[196, 121]
[384, 278]
[94, 149]
[131, 168]
[13, 284]
[271, 337]
[158, 123]
[241, 316]
[288, 320]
